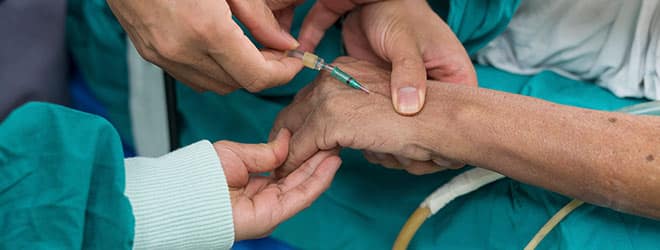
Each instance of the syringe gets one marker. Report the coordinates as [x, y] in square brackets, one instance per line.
[316, 63]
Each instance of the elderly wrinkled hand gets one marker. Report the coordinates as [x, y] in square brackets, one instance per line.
[260, 203]
[404, 35]
[328, 115]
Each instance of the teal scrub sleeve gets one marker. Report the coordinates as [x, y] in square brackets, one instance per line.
[98, 47]
[476, 22]
[61, 181]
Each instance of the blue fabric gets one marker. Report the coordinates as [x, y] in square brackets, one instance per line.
[61, 181]
[98, 46]
[265, 243]
[477, 22]
[82, 99]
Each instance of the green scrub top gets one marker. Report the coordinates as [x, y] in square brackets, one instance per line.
[367, 204]
[62, 181]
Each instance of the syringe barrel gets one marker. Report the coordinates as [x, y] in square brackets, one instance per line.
[345, 78]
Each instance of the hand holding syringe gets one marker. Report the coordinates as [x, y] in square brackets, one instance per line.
[316, 63]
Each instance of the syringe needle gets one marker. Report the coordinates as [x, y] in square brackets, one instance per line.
[363, 88]
[347, 79]
[314, 62]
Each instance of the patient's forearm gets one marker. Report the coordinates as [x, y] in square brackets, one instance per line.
[605, 158]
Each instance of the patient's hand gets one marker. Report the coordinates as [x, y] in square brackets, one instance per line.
[260, 203]
[404, 35]
[327, 115]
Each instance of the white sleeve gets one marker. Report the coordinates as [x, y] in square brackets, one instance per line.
[180, 200]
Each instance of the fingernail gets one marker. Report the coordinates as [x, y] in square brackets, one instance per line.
[293, 41]
[408, 100]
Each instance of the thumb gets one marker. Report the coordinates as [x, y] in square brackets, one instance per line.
[256, 158]
[408, 81]
[260, 21]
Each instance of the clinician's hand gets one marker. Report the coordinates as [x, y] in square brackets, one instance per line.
[327, 115]
[199, 43]
[404, 35]
[260, 203]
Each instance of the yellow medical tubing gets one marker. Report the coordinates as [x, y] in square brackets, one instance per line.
[460, 185]
[418, 217]
[552, 223]
[410, 228]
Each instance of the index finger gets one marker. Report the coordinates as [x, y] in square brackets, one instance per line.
[252, 69]
[307, 184]
[305, 143]
[321, 16]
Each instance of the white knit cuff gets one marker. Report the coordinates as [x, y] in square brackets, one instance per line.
[180, 200]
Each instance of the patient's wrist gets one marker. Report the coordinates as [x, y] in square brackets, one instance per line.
[444, 125]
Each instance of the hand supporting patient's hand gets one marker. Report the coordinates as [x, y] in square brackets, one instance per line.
[260, 203]
[404, 35]
[199, 43]
[327, 115]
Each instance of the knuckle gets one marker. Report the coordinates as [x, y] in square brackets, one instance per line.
[256, 83]
[327, 107]
[408, 62]
[303, 95]
[201, 28]
[292, 161]
[169, 49]
[253, 85]
[148, 54]
[336, 137]
[204, 29]
[329, 111]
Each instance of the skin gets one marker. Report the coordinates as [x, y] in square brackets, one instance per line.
[396, 34]
[199, 43]
[604, 158]
[260, 203]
